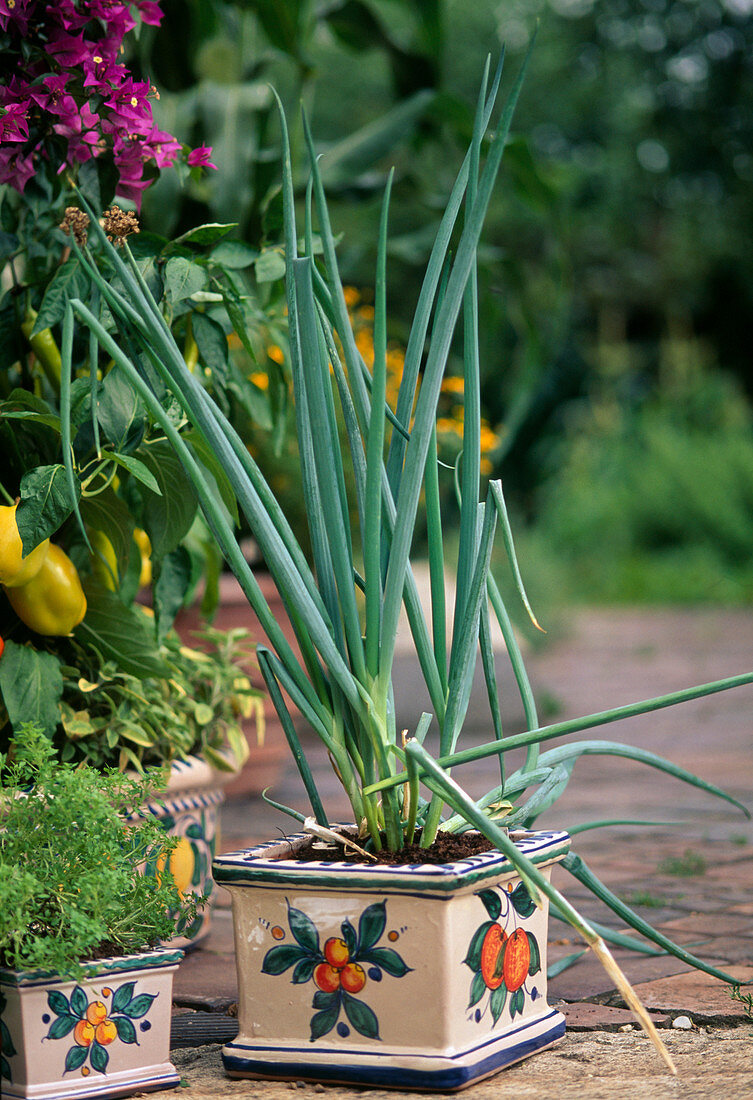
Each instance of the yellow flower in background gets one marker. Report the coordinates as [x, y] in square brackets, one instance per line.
[260, 379]
[352, 296]
[453, 384]
[276, 354]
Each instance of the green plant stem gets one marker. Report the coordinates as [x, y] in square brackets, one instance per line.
[576, 725]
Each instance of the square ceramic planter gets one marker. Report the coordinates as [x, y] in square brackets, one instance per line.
[414, 977]
[105, 1034]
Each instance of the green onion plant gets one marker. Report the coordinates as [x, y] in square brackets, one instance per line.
[345, 604]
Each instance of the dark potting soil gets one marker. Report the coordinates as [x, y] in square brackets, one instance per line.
[446, 848]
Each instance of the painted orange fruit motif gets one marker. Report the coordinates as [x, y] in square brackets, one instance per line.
[83, 1033]
[517, 960]
[340, 967]
[96, 1027]
[353, 978]
[492, 957]
[336, 952]
[106, 1032]
[96, 1013]
[327, 978]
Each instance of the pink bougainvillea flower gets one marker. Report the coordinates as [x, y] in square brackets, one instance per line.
[70, 83]
[150, 12]
[200, 157]
[68, 50]
[129, 104]
[15, 13]
[102, 72]
[14, 125]
[15, 168]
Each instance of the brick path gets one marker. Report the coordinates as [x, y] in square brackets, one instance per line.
[695, 880]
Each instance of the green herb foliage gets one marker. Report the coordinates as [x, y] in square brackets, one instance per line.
[71, 886]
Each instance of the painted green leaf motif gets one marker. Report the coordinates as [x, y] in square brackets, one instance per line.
[139, 1006]
[195, 831]
[304, 971]
[323, 1022]
[278, 959]
[361, 1017]
[199, 867]
[122, 996]
[5, 1070]
[535, 961]
[61, 1027]
[303, 929]
[325, 1000]
[126, 1030]
[521, 900]
[6, 1044]
[99, 1057]
[473, 958]
[516, 1003]
[371, 926]
[492, 902]
[349, 935]
[388, 959]
[58, 1002]
[497, 1001]
[75, 1058]
[478, 988]
[79, 1002]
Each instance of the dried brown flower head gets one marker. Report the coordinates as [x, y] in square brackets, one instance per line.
[76, 222]
[119, 224]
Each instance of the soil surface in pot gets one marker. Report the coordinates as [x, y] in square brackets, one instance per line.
[447, 848]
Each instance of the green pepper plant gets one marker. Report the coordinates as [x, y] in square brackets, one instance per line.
[81, 659]
[345, 605]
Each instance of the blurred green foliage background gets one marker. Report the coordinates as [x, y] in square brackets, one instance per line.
[617, 272]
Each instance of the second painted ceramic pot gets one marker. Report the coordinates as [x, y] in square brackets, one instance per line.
[104, 1034]
[413, 977]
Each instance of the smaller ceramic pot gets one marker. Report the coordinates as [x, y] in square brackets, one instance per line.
[410, 977]
[104, 1034]
[189, 810]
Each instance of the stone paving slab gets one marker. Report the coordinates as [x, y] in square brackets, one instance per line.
[711, 1063]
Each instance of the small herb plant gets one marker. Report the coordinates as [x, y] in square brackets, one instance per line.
[71, 881]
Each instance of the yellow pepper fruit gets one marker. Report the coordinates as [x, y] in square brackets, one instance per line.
[52, 602]
[44, 347]
[145, 548]
[106, 566]
[15, 569]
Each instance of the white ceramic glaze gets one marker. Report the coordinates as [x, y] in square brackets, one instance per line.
[105, 1034]
[409, 977]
